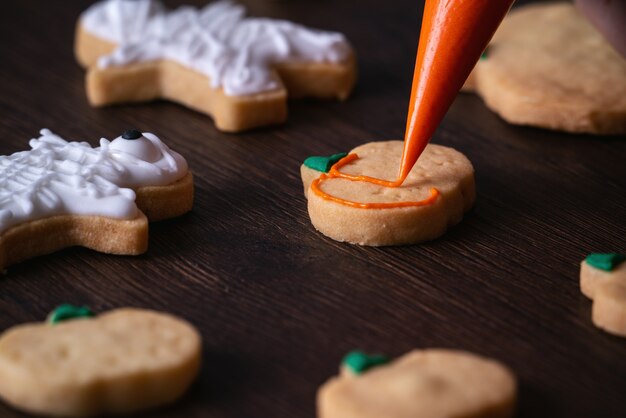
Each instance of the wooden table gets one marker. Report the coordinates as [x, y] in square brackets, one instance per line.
[277, 303]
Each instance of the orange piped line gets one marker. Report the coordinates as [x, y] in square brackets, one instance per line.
[335, 173]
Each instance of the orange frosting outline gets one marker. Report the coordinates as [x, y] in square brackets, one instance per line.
[335, 173]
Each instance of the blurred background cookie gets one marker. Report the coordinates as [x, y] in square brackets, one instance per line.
[420, 384]
[215, 60]
[603, 279]
[78, 365]
[547, 66]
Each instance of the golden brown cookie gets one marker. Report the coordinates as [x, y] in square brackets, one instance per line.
[60, 194]
[603, 279]
[435, 195]
[421, 384]
[122, 361]
[548, 67]
[238, 70]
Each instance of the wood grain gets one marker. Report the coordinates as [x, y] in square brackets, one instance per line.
[277, 303]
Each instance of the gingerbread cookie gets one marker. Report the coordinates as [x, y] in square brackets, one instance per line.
[421, 384]
[548, 67]
[78, 365]
[603, 279]
[345, 206]
[60, 194]
[238, 70]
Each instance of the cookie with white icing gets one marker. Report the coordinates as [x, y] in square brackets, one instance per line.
[603, 279]
[60, 194]
[78, 365]
[215, 60]
[547, 66]
[435, 195]
[421, 384]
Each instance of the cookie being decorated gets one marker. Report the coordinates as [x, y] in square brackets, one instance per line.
[421, 384]
[547, 66]
[215, 60]
[349, 203]
[79, 365]
[60, 194]
[603, 279]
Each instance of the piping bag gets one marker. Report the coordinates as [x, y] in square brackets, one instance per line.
[453, 36]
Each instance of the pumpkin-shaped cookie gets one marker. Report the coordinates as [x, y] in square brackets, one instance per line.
[121, 361]
[435, 195]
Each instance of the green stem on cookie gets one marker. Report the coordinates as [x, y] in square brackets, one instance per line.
[66, 312]
[605, 261]
[323, 164]
[359, 362]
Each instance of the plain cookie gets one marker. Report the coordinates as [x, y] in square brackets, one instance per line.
[421, 384]
[437, 192]
[548, 67]
[603, 279]
[214, 60]
[121, 361]
[59, 194]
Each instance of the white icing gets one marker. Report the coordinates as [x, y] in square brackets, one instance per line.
[58, 177]
[236, 53]
[141, 148]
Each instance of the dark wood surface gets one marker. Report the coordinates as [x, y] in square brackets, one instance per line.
[277, 303]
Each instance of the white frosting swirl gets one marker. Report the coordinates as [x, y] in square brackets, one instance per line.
[235, 52]
[58, 177]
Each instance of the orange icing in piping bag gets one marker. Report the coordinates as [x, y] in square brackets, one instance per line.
[453, 36]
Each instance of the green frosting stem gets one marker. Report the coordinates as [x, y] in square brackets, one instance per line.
[323, 164]
[605, 261]
[485, 54]
[359, 362]
[65, 312]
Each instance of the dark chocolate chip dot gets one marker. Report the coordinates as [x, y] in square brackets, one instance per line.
[132, 134]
